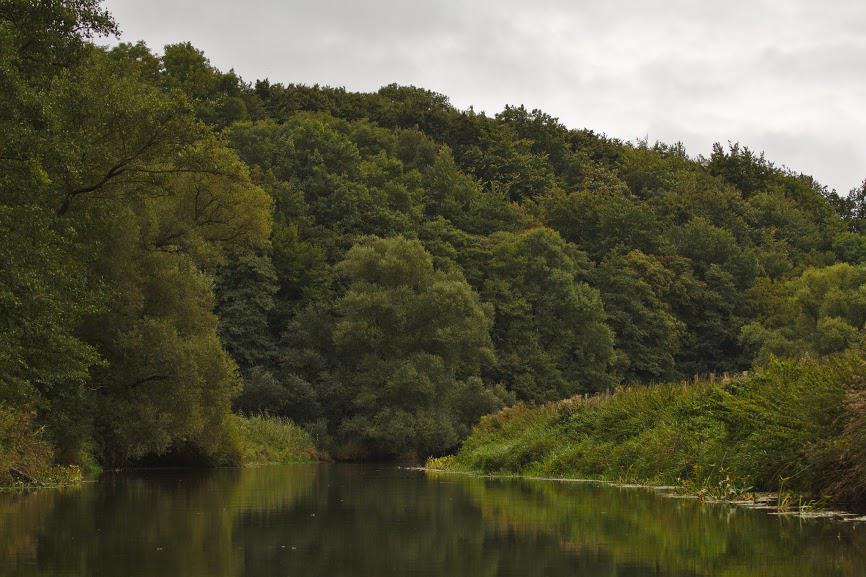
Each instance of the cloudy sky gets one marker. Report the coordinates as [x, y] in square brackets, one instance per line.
[784, 76]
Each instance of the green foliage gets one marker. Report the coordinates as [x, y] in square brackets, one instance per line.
[172, 237]
[156, 231]
[26, 455]
[851, 208]
[794, 425]
[636, 289]
[850, 247]
[44, 37]
[217, 97]
[602, 221]
[39, 351]
[822, 311]
[128, 205]
[409, 344]
[266, 440]
[245, 289]
[549, 328]
[708, 231]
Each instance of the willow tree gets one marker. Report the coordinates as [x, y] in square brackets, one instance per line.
[410, 342]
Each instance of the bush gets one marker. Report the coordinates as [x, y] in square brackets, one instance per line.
[798, 425]
[26, 456]
[263, 439]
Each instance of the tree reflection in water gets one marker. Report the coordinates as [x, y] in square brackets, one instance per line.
[341, 520]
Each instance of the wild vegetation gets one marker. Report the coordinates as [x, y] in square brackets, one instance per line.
[271, 440]
[27, 457]
[793, 426]
[380, 268]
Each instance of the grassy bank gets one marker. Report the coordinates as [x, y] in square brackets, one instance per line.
[264, 440]
[795, 426]
[26, 456]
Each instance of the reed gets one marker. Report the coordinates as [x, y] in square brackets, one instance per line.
[265, 439]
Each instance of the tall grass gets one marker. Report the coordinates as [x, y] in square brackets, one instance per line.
[797, 425]
[26, 455]
[264, 439]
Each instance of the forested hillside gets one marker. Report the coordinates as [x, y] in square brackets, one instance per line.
[382, 268]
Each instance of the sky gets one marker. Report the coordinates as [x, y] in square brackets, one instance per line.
[787, 77]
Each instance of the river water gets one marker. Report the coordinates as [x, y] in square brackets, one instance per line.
[378, 521]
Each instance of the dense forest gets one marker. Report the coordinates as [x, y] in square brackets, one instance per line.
[381, 268]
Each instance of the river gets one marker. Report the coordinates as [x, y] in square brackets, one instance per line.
[381, 521]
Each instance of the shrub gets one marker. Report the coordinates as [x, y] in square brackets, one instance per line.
[795, 424]
[264, 439]
[26, 456]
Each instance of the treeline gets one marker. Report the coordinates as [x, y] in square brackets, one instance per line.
[382, 268]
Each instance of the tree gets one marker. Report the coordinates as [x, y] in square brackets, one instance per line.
[602, 221]
[636, 290]
[170, 234]
[503, 159]
[409, 343]
[850, 247]
[550, 333]
[820, 312]
[130, 207]
[44, 291]
[245, 292]
[159, 203]
[851, 208]
[217, 96]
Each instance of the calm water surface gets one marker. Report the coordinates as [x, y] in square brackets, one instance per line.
[368, 521]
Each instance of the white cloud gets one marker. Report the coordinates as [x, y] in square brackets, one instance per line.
[784, 76]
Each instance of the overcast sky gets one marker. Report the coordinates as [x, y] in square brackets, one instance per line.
[784, 76]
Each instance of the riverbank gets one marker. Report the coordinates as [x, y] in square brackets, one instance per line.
[273, 440]
[796, 429]
[27, 457]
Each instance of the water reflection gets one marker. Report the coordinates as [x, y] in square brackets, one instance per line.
[642, 528]
[375, 521]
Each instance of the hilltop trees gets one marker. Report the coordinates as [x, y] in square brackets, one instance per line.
[820, 312]
[636, 289]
